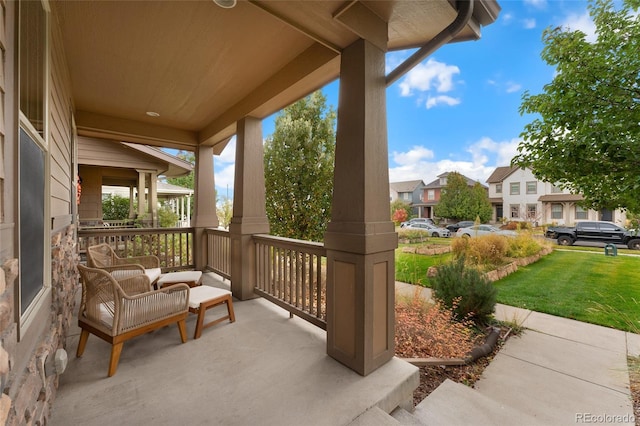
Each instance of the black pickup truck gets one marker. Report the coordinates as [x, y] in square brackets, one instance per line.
[604, 232]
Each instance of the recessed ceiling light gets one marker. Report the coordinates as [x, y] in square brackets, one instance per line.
[227, 4]
[153, 114]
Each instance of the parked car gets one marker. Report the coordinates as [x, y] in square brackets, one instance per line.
[462, 224]
[432, 230]
[417, 220]
[479, 230]
[597, 231]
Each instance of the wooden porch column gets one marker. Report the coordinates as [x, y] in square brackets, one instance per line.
[153, 198]
[204, 209]
[142, 177]
[361, 239]
[249, 210]
[132, 210]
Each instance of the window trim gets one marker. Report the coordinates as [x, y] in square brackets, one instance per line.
[514, 188]
[535, 188]
[499, 188]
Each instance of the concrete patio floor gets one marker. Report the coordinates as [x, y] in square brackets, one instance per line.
[263, 369]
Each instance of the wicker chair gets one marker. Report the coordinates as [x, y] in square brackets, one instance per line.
[118, 310]
[102, 256]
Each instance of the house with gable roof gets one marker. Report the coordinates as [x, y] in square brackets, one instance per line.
[433, 190]
[517, 195]
[410, 192]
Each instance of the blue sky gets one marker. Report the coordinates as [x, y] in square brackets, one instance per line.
[458, 109]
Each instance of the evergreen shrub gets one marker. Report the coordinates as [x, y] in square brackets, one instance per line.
[465, 290]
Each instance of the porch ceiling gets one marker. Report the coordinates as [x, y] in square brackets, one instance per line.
[202, 67]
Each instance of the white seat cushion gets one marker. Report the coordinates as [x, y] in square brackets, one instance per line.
[153, 274]
[203, 293]
[180, 277]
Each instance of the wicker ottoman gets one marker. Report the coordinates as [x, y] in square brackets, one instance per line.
[203, 298]
[192, 278]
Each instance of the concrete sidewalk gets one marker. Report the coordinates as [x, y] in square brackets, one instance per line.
[558, 372]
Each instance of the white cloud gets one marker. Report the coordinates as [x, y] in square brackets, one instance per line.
[224, 166]
[485, 155]
[427, 76]
[539, 4]
[583, 23]
[414, 155]
[506, 18]
[442, 99]
[529, 24]
[513, 87]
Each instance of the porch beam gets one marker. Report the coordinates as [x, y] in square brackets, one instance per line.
[249, 208]
[119, 129]
[360, 238]
[282, 84]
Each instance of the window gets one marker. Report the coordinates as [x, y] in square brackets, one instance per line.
[515, 211]
[556, 211]
[431, 194]
[555, 189]
[532, 187]
[581, 213]
[33, 27]
[406, 196]
[532, 211]
[443, 181]
[514, 188]
[33, 229]
[498, 188]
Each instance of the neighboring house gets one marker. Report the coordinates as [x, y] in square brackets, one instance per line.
[517, 195]
[176, 198]
[134, 168]
[410, 192]
[433, 190]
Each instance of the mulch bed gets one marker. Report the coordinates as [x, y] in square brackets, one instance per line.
[433, 375]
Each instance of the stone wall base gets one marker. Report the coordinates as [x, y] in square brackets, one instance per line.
[27, 395]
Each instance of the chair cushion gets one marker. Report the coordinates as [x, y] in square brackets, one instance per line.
[204, 293]
[180, 277]
[153, 274]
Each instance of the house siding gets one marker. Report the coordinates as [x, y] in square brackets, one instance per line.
[28, 394]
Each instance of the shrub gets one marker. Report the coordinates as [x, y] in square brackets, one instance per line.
[425, 329]
[115, 207]
[464, 290]
[523, 245]
[413, 235]
[485, 250]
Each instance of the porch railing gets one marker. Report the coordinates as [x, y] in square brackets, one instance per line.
[219, 252]
[173, 246]
[292, 274]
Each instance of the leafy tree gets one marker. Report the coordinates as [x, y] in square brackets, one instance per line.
[187, 181]
[115, 207]
[586, 137]
[400, 205]
[225, 212]
[480, 203]
[166, 217]
[459, 201]
[298, 162]
[399, 216]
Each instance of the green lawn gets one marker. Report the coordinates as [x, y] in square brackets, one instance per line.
[412, 268]
[588, 287]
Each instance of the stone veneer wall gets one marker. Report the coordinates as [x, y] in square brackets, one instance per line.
[32, 393]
